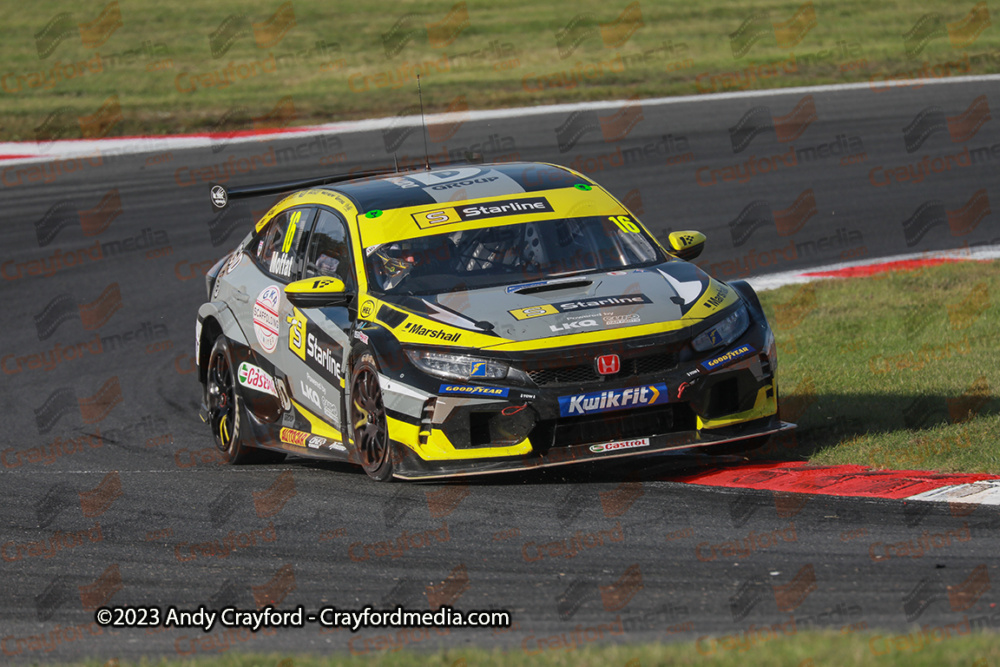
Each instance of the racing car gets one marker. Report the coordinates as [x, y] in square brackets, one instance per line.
[472, 319]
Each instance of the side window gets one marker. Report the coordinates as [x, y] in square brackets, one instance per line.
[282, 242]
[329, 251]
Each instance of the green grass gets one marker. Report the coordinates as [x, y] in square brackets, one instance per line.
[897, 371]
[806, 649]
[676, 50]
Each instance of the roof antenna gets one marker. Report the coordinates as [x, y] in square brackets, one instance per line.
[395, 162]
[423, 123]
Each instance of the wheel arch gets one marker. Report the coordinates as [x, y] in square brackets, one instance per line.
[216, 319]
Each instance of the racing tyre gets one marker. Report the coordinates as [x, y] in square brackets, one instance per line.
[225, 411]
[369, 429]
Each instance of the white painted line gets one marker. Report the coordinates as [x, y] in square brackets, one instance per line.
[69, 148]
[986, 492]
[775, 280]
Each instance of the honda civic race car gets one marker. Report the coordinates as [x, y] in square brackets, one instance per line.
[473, 319]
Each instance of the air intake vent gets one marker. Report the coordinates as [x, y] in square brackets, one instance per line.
[391, 318]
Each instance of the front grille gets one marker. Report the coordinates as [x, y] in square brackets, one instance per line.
[658, 362]
[611, 426]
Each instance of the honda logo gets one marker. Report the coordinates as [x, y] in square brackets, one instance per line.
[608, 364]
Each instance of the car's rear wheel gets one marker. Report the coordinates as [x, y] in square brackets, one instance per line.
[369, 428]
[225, 412]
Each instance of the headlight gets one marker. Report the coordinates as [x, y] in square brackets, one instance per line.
[457, 366]
[724, 332]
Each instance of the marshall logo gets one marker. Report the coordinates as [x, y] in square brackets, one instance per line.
[609, 364]
[420, 330]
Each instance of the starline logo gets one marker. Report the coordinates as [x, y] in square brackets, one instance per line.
[786, 222]
[613, 127]
[959, 222]
[759, 25]
[960, 34]
[584, 26]
[932, 120]
[786, 128]
[266, 34]
[92, 33]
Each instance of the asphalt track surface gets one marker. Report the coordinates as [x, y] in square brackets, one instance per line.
[107, 441]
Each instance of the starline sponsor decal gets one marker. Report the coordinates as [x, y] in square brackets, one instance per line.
[578, 304]
[420, 330]
[479, 211]
[312, 345]
[265, 317]
[468, 390]
[613, 399]
[255, 378]
[292, 437]
[728, 357]
[624, 444]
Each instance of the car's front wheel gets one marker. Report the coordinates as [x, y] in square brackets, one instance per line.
[369, 428]
[225, 413]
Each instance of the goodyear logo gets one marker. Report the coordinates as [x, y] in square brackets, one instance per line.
[728, 357]
[467, 390]
[496, 209]
[613, 399]
[577, 305]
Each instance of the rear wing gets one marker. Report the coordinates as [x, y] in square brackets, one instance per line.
[220, 196]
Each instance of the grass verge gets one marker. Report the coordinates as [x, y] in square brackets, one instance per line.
[895, 371]
[807, 649]
[131, 68]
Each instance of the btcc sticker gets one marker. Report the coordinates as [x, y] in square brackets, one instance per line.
[579, 304]
[728, 357]
[255, 378]
[469, 390]
[290, 436]
[493, 209]
[624, 444]
[265, 317]
[613, 399]
[313, 346]
[420, 330]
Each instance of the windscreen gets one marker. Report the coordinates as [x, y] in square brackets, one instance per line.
[505, 254]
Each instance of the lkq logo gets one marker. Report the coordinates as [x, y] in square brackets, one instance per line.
[960, 221]
[960, 34]
[439, 33]
[931, 120]
[759, 25]
[572, 326]
[266, 34]
[786, 221]
[582, 27]
[613, 128]
[92, 33]
[608, 364]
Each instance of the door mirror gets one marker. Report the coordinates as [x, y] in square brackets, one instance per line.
[321, 292]
[686, 245]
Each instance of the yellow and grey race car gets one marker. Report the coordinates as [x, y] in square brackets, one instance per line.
[473, 319]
